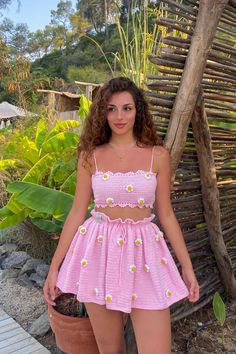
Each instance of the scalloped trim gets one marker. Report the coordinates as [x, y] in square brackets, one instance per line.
[123, 205]
[139, 172]
[106, 217]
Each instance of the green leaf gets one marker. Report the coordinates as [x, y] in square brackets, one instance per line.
[41, 133]
[85, 104]
[219, 308]
[29, 149]
[70, 184]
[46, 225]
[39, 170]
[62, 127]
[60, 141]
[5, 212]
[14, 219]
[5, 164]
[42, 199]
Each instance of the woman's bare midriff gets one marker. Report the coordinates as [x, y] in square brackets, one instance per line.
[135, 213]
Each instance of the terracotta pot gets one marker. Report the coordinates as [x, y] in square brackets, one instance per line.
[74, 335]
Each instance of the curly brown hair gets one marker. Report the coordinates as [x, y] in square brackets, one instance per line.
[97, 131]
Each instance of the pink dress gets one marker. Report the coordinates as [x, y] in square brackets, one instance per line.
[122, 264]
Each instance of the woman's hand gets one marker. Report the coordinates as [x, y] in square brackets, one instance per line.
[191, 283]
[49, 289]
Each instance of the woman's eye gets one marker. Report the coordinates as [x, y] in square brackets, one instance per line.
[111, 109]
[127, 108]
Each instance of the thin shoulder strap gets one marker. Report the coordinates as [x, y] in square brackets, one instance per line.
[95, 161]
[152, 159]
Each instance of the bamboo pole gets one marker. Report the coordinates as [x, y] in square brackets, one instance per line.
[210, 195]
[206, 25]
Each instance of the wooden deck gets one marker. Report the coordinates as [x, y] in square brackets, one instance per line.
[14, 339]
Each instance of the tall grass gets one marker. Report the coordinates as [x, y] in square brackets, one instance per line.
[139, 38]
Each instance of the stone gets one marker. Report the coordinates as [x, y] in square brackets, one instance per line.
[7, 248]
[37, 279]
[40, 326]
[24, 280]
[30, 266]
[15, 260]
[42, 270]
[8, 273]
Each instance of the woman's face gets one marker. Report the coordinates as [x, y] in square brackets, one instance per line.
[121, 113]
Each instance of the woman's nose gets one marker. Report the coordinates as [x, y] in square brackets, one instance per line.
[119, 114]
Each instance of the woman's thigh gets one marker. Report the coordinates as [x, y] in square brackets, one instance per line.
[152, 330]
[108, 328]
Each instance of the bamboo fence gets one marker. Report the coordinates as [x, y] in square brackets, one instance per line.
[218, 85]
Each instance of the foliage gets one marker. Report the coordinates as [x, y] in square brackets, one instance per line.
[45, 192]
[219, 311]
[87, 74]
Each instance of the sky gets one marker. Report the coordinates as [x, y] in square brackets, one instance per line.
[36, 13]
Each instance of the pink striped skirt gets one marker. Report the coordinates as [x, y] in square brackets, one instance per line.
[122, 264]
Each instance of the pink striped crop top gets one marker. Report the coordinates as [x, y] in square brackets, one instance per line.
[133, 189]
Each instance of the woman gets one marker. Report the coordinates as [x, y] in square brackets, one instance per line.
[117, 260]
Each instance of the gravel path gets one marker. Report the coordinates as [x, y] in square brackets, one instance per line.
[24, 306]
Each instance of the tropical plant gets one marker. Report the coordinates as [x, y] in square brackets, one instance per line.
[45, 193]
[219, 311]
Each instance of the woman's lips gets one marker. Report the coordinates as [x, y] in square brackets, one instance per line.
[119, 125]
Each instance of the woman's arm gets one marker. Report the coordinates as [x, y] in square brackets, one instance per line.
[169, 222]
[75, 218]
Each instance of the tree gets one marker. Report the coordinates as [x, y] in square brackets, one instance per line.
[16, 37]
[60, 18]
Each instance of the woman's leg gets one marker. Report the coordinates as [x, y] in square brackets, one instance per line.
[152, 330]
[108, 328]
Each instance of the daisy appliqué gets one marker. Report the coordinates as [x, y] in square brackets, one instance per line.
[159, 236]
[129, 188]
[82, 230]
[138, 242]
[134, 296]
[109, 200]
[120, 241]
[105, 176]
[108, 298]
[168, 293]
[164, 260]
[147, 175]
[146, 268]
[141, 201]
[132, 268]
[95, 291]
[100, 238]
[84, 262]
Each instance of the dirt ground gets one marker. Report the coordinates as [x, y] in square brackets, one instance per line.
[197, 334]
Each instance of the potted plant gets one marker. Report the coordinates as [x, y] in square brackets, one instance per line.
[71, 326]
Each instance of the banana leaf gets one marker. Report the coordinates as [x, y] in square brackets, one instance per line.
[14, 219]
[42, 199]
[61, 127]
[60, 141]
[47, 225]
[41, 133]
[5, 212]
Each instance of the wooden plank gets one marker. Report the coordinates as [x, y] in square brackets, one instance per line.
[13, 347]
[18, 338]
[11, 333]
[4, 317]
[9, 327]
[14, 339]
[32, 348]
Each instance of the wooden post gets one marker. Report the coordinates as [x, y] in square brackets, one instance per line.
[207, 20]
[210, 195]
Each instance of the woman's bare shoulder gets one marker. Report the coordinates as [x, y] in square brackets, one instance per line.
[161, 156]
